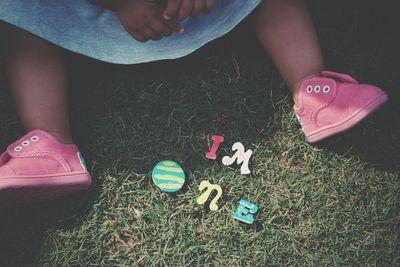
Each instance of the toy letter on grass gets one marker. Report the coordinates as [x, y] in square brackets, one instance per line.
[245, 212]
[210, 187]
[241, 157]
[217, 140]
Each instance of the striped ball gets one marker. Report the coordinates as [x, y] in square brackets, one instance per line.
[168, 176]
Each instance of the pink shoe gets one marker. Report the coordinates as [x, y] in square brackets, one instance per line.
[332, 103]
[37, 167]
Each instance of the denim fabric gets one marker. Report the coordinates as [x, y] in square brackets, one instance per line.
[79, 26]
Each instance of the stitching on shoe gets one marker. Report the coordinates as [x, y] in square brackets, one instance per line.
[60, 161]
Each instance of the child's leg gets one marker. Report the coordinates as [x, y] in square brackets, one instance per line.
[325, 102]
[286, 31]
[37, 167]
[37, 77]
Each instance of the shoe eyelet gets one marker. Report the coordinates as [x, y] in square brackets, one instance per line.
[25, 143]
[34, 138]
[309, 89]
[317, 89]
[326, 89]
[17, 148]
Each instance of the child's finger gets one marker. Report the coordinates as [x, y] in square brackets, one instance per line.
[154, 35]
[174, 26]
[148, 33]
[139, 37]
[172, 9]
[161, 28]
[198, 8]
[186, 9]
[209, 5]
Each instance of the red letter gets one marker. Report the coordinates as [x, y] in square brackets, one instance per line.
[217, 141]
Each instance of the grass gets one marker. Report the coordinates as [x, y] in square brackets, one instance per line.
[337, 203]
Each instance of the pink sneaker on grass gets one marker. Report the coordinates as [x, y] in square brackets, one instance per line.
[37, 168]
[332, 103]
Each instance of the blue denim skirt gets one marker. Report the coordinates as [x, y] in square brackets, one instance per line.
[84, 28]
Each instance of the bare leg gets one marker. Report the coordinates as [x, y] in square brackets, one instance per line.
[36, 73]
[284, 28]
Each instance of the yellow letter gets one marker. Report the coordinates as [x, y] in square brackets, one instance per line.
[210, 187]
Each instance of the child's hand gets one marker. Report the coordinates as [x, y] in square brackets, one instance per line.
[143, 19]
[181, 9]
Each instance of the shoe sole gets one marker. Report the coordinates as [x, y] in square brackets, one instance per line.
[345, 125]
[20, 191]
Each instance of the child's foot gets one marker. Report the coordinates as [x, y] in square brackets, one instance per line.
[332, 103]
[37, 167]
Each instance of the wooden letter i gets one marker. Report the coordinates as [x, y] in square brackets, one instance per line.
[217, 140]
